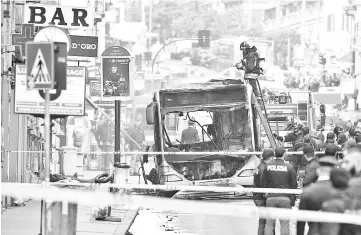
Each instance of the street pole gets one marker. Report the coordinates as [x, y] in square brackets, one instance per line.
[47, 228]
[288, 52]
[118, 107]
[150, 41]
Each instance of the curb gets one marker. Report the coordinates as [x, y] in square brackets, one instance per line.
[131, 222]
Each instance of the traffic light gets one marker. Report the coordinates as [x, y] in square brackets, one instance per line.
[321, 59]
[204, 38]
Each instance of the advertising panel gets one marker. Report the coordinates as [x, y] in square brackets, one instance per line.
[63, 102]
[116, 77]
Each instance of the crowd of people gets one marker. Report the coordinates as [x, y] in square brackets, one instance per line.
[331, 181]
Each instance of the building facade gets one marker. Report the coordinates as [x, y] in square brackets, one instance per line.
[322, 26]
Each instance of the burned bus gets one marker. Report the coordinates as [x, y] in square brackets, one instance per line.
[223, 117]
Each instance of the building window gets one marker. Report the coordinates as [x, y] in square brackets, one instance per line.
[330, 23]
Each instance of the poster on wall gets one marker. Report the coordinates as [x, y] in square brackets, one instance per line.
[118, 72]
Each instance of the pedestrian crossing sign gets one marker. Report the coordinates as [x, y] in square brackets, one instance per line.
[40, 65]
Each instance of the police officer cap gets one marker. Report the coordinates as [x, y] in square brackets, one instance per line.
[328, 161]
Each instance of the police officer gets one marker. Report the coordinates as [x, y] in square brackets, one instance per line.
[279, 174]
[351, 197]
[190, 135]
[259, 199]
[316, 194]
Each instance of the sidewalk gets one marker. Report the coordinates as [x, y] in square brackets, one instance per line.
[26, 220]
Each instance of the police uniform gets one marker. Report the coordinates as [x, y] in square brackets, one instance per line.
[279, 174]
[259, 198]
[315, 195]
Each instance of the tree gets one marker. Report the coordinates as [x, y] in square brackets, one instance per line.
[169, 16]
[281, 44]
[163, 14]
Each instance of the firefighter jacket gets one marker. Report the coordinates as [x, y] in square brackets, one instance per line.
[279, 174]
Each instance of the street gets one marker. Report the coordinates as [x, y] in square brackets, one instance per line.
[84, 81]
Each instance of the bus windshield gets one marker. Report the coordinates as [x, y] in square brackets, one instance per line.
[211, 130]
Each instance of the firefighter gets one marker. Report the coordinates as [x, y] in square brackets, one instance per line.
[296, 137]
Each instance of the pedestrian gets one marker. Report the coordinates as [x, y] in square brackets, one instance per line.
[190, 135]
[315, 195]
[341, 140]
[136, 132]
[358, 140]
[279, 174]
[259, 199]
[350, 143]
[321, 136]
[351, 197]
[330, 139]
[309, 168]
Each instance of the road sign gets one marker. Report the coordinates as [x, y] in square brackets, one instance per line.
[20, 39]
[83, 46]
[69, 102]
[61, 16]
[118, 72]
[40, 65]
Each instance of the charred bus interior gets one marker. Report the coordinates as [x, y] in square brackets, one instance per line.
[220, 113]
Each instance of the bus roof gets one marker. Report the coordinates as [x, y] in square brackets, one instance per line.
[181, 86]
